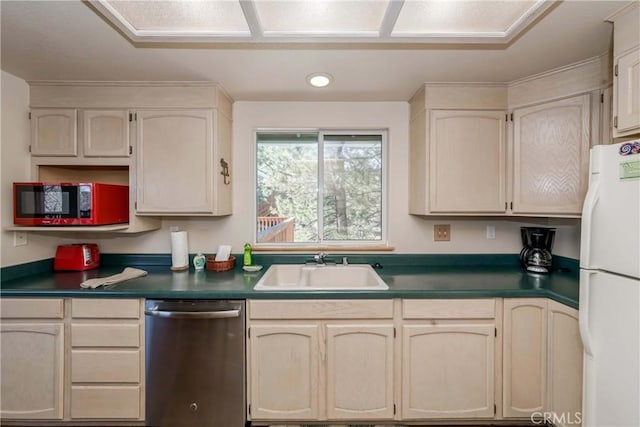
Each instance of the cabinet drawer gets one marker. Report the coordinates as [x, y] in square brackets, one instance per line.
[105, 308]
[448, 309]
[105, 335]
[321, 309]
[31, 308]
[115, 366]
[105, 402]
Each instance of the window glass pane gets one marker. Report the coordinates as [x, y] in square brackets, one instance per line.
[352, 190]
[287, 187]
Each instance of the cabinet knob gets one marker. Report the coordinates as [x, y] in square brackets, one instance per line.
[193, 407]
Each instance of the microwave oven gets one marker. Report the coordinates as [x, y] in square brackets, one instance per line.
[68, 203]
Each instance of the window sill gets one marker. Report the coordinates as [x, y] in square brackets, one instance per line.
[322, 248]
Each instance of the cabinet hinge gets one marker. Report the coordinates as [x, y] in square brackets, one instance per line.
[135, 205]
[602, 98]
[130, 117]
[29, 147]
[506, 205]
[615, 122]
[130, 149]
[135, 116]
[249, 333]
[394, 409]
[511, 205]
[615, 70]
[506, 117]
[29, 115]
[495, 409]
[394, 332]
[511, 117]
[249, 409]
[495, 332]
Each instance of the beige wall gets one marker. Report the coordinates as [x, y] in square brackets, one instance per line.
[409, 234]
[14, 159]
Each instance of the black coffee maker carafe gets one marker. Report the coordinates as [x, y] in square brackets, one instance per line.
[535, 256]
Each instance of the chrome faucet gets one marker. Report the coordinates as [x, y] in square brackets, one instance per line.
[319, 258]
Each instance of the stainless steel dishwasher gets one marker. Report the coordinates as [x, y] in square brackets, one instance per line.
[195, 363]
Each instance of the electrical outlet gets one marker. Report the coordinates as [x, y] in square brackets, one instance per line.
[19, 238]
[441, 232]
[491, 232]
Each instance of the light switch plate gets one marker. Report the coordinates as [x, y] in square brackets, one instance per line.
[491, 231]
[441, 232]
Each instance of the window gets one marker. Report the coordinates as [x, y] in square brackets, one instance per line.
[320, 187]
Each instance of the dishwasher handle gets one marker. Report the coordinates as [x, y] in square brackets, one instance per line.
[194, 314]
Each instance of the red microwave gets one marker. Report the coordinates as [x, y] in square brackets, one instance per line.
[69, 203]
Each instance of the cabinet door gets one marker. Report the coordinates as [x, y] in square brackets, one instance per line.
[467, 161]
[32, 370]
[359, 358]
[175, 162]
[54, 132]
[524, 357]
[105, 133]
[284, 365]
[448, 371]
[564, 374]
[551, 157]
[627, 94]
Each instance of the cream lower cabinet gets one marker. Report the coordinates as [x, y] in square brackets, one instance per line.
[551, 144]
[542, 361]
[107, 360]
[311, 360]
[525, 357]
[564, 365]
[32, 348]
[448, 359]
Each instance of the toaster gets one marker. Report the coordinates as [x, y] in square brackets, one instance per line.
[77, 257]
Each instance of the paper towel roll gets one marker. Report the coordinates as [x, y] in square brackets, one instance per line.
[179, 250]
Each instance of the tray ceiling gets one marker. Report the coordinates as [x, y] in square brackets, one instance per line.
[337, 21]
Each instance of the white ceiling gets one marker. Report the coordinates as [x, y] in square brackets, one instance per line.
[338, 21]
[69, 40]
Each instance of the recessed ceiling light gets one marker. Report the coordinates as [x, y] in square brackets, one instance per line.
[319, 79]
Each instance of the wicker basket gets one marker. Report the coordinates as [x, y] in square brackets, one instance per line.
[213, 265]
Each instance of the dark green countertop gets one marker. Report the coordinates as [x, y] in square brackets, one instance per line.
[408, 276]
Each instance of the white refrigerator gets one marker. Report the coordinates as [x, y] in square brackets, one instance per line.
[610, 287]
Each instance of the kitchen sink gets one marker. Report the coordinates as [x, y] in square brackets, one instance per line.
[296, 277]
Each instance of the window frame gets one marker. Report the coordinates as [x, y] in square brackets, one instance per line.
[321, 243]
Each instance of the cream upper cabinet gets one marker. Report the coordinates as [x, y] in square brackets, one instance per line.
[564, 370]
[551, 144]
[626, 71]
[105, 133]
[626, 104]
[448, 349]
[284, 366]
[467, 161]
[181, 163]
[54, 132]
[524, 357]
[457, 149]
[32, 347]
[360, 357]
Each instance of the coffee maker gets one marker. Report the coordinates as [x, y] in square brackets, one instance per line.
[535, 256]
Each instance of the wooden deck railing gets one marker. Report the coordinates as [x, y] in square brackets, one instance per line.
[275, 229]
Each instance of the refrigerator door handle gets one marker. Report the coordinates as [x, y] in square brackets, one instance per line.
[590, 202]
[583, 313]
